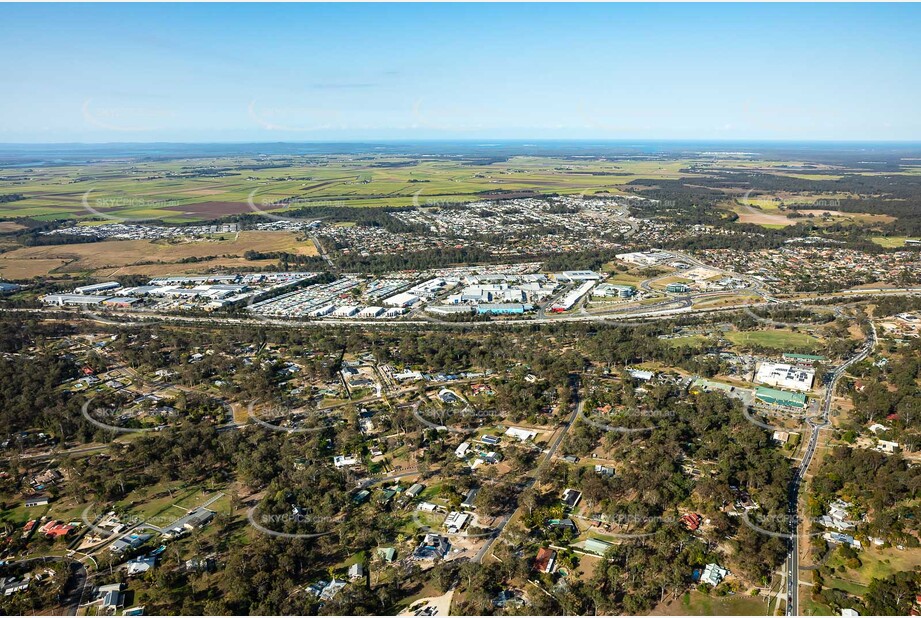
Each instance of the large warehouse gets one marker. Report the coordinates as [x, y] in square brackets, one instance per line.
[785, 376]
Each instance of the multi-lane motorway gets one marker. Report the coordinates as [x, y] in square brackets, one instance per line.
[685, 307]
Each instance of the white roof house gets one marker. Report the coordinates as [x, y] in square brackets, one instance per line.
[781, 436]
[887, 446]
[641, 374]
[343, 461]
[141, 565]
[461, 450]
[713, 574]
[455, 521]
[522, 434]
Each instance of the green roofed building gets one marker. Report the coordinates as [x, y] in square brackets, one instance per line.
[596, 546]
[775, 397]
[705, 385]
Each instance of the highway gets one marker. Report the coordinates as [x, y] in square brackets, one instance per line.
[137, 318]
[816, 424]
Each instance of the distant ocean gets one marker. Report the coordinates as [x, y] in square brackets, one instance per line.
[42, 155]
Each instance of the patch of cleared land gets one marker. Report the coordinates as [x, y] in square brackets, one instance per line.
[766, 211]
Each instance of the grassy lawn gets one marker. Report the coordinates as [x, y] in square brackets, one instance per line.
[19, 515]
[811, 608]
[728, 299]
[431, 491]
[847, 586]
[776, 339]
[694, 603]
[661, 283]
[877, 564]
[890, 241]
[620, 278]
[156, 503]
[141, 188]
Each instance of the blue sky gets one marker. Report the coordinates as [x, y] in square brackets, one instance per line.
[232, 72]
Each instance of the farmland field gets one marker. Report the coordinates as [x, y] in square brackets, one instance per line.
[191, 190]
[195, 189]
[124, 257]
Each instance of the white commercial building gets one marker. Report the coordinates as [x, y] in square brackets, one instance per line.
[575, 276]
[370, 312]
[97, 287]
[346, 312]
[74, 299]
[404, 299]
[323, 311]
[566, 303]
[785, 376]
[645, 258]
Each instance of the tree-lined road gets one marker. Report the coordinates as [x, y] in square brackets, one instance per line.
[816, 425]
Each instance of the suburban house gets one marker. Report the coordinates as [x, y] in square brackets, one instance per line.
[691, 521]
[604, 470]
[455, 521]
[36, 500]
[432, 546]
[837, 516]
[565, 524]
[470, 500]
[545, 561]
[56, 529]
[141, 565]
[344, 461]
[571, 497]
[713, 574]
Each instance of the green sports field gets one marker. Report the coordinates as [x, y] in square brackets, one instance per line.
[782, 340]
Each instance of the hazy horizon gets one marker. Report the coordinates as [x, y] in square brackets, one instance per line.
[240, 73]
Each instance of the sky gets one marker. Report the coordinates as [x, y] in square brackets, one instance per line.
[345, 72]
